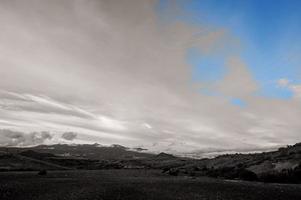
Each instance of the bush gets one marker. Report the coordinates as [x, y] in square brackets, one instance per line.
[166, 169]
[247, 175]
[232, 173]
[297, 174]
[224, 172]
[285, 176]
[42, 172]
[173, 172]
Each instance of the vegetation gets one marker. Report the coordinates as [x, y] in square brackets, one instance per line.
[42, 172]
[281, 166]
[134, 184]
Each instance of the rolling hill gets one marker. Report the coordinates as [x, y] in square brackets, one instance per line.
[283, 165]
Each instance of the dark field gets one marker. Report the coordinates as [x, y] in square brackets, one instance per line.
[134, 184]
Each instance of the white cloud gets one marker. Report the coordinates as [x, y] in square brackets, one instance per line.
[111, 124]
[15, 138]
[283, 82]
[295, 88]
[46, 100]
[146, 125]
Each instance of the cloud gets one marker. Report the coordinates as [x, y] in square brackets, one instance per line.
[146, 125]
[111, 124]
[283, 82]
[15, 138]
[294, 88]
[238, 82]
[69, 136]
[112, 71]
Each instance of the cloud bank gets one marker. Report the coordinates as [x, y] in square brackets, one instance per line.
[15, 138]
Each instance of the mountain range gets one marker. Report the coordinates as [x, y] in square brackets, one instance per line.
[282, 165]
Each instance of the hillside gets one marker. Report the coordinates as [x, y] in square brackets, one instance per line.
[71, 156]
[94, 151]
[18, 162]
[283, 165]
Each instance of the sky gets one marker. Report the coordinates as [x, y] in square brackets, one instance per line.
[176, 76]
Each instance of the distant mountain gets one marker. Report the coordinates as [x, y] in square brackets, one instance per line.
[165, 156]
[92, 151]
[91, 156]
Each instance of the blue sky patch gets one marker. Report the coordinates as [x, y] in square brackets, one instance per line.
[269, 32]
[238, 102]
[205, 68]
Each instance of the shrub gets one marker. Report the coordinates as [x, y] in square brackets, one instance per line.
[42, 172]
[166, 169]
[224, 172]
[285, 176]
[173, 172]
[247, 175]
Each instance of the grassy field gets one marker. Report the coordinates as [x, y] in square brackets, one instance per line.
[134, 185]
